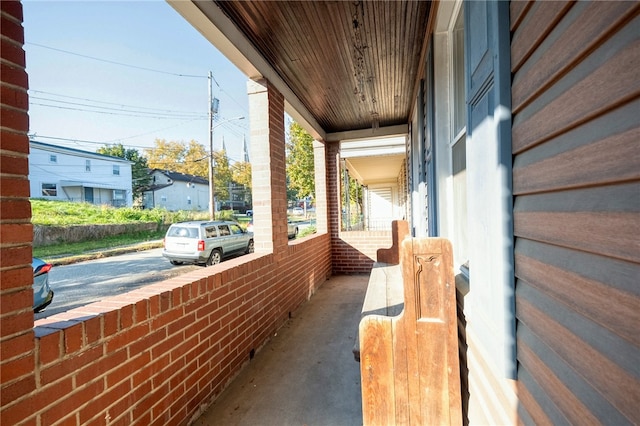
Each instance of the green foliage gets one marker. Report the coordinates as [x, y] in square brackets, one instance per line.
[225, 215]
[242, 173]
[307, 231]
[139, 169]
[64, 213]
[179, 157]
[79, 248]
[292, 196]
[300, 162]
[196, 160]
[356, 194]
[222, 175]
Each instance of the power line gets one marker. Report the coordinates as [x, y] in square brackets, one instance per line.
[35, 136]
[116, 63]
[148, 133]
[174, 114]
[129, 66]
[138, 114]
[101, 102]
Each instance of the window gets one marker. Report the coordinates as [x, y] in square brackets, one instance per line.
[53, 158]
[116, 170]
[459, 95]
[185, 232]
[211, 232]
[119, 198]
[87, 166]
[235, 229]
[224, 230]
[189, 200]
[49, 190]
[458, 145]
[163, 198]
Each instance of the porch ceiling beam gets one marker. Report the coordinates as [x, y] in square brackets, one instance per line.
[398, 130]
[220, 31]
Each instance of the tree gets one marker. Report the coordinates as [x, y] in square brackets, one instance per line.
[221, 174]
[196, 160]
[300, 162]
[139, 169]
[354, 200]
[192, 159]
[179, 157]
[242, 173]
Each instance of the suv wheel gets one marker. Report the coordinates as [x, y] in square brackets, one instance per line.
[215, 257]
[250, 247]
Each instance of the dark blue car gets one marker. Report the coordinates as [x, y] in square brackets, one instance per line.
[42, 293]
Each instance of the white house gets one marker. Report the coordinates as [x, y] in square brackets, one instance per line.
[61, 173]
[176, 191]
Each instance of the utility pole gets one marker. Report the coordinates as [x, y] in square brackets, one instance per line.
[212, 206]
[213, 110]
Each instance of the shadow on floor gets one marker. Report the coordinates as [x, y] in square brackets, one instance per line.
[306, 374]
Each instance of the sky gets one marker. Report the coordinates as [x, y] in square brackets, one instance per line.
[130, 72]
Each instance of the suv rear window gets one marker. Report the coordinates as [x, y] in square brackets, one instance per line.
[224, 230]
[183, 231]
[210, 232]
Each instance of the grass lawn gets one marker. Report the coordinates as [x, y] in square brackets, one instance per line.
[65, 213]
[73, 249]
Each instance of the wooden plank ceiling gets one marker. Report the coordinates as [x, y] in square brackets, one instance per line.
[352, 64]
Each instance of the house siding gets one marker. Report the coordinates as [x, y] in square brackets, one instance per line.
[71, 178]
[188, 194]
[576, 180]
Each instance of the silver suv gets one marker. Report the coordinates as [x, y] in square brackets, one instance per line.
[204, 242]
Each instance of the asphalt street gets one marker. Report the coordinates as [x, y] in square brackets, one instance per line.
[85, 282]
[81, 283]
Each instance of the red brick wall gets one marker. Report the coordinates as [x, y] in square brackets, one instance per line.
[156, 354]
[354, 252]
[17, 357]
[333, 189]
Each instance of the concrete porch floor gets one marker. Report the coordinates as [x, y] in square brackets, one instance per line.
[306, 374]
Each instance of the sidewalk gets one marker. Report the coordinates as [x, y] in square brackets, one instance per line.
[306, 374]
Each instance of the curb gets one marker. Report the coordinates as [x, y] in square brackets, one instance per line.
[98, 254]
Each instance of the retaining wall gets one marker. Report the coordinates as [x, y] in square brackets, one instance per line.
[47, 235]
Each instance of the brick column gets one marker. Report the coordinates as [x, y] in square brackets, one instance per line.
[333, 194]
[266, 110]
[320, 176]
[16, 232]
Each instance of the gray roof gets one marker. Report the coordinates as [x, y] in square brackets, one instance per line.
[74, 151]
[182, 177]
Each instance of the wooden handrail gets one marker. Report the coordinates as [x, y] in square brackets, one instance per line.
[409, 363]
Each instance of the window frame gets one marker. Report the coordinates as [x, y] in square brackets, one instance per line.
[458, 135]
[55, 189]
